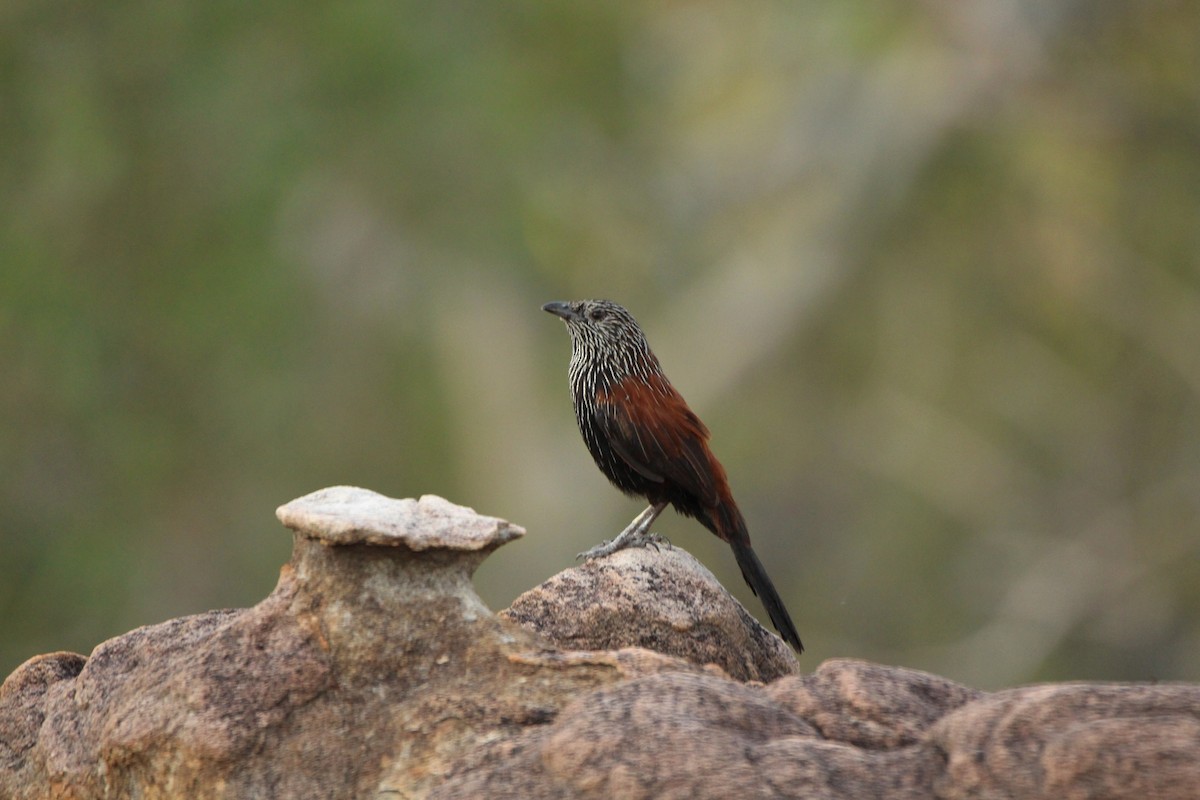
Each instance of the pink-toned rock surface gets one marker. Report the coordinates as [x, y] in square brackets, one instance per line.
[664, 600]
[373, 670]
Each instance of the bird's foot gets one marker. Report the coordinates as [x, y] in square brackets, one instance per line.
[636, 534]
[649, 539]
[607, 547]
[629, 538]
[603, 549]
[625, 538]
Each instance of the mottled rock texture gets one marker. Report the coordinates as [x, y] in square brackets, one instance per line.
[373, 670]
[664, 600]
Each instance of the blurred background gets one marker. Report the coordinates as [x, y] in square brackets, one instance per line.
[930, 271]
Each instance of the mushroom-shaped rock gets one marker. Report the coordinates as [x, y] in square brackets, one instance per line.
[345, 515]
[661, 599]
[390, 560]
[373, 664]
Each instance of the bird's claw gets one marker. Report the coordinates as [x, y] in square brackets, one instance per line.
[601, 549]
[610, 546]
[654, 540]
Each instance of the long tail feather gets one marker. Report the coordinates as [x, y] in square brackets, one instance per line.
[756, 576]
[726, 521]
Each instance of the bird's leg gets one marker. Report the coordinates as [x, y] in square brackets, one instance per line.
[636, 534]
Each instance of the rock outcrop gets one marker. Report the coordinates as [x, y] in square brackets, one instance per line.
[374, 670]
[664, 600]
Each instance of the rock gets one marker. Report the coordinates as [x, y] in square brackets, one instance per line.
[668, 735]
[1073, 742]
[372, 664]
[373, 670]
[663, 600]
[853, 730]
[346, 515]
[869, 705]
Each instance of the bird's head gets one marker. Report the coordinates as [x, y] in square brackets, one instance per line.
[600, 328]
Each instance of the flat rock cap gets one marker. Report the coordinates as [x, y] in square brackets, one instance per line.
[341, 515]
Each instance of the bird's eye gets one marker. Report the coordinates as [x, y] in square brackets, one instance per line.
[597, 314]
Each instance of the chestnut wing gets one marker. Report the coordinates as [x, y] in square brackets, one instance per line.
[651, 429]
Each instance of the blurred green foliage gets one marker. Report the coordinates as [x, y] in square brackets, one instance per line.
[929, 271]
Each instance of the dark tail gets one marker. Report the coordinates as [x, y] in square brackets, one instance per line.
[732, 528]
[760, 584]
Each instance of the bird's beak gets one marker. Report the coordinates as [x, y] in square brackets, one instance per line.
[560, 309]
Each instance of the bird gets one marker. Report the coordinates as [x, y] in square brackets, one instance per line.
[649, 443]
